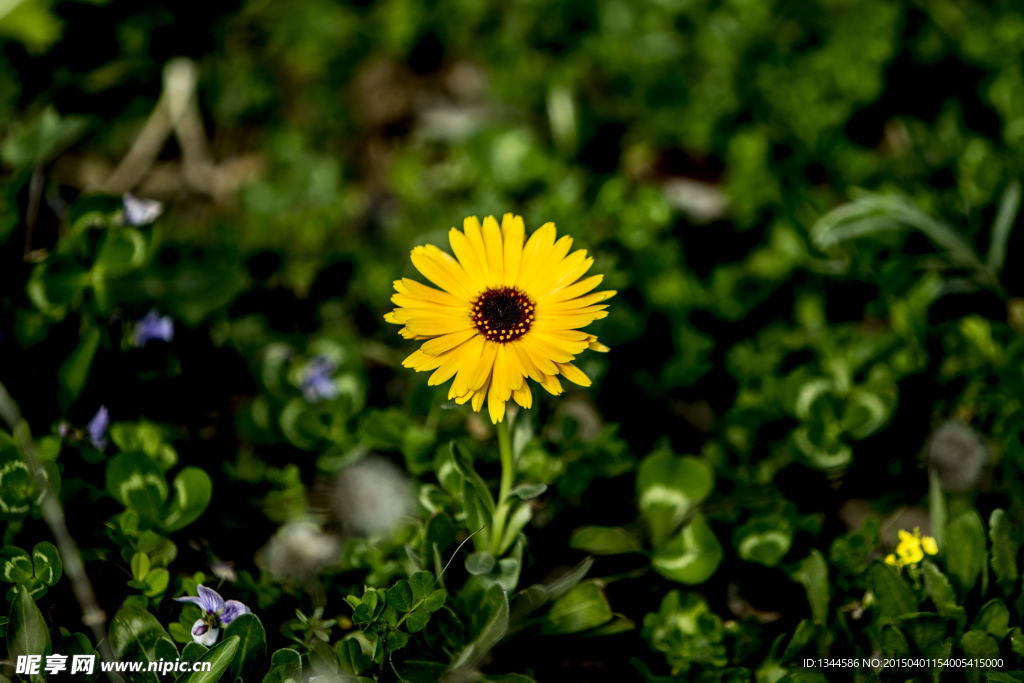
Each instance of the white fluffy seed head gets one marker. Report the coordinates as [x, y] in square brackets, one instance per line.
[371, 496]
[957, 454]
[300, 550]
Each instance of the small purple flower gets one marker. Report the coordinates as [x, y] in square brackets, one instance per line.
[139, 211]
[217, 612]
[153, 327]
[97, 428]
[317, 383]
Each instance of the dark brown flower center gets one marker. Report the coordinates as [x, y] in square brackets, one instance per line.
[503, 314]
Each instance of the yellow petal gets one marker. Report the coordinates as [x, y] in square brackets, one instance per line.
[575, 290]
[523, 396]
[574, 374]
[478, 398]
[500, 377]
[443, 270]
[419, 290]
[535, 252]
[538, 353]
[467, 256]
[513, 232]
[495, 406]
[495, 251]
[474, 235]
[552, 385]
[471, 369]
[447, 342]
[420, 361]
[449, 366]
[524, 361]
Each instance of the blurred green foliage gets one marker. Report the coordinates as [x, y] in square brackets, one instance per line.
[810, 210]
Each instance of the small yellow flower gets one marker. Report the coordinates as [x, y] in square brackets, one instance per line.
[911, 549]
[506, 309]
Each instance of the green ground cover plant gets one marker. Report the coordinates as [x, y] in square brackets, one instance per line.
[789, 448]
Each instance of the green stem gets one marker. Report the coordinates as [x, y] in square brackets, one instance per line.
[507, 473]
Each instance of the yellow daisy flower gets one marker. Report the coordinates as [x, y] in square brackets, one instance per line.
[505, 309]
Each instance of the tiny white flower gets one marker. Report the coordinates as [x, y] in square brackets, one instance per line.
[139, 211]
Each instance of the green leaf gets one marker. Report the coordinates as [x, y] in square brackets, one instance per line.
[435, 600]
[893, 596]
[894, 643]
[519, 518]
[604, 540]
[156, 582]
[220, 657]
[929, 633]
[508, 571]
[583, 607]
[993, 618]
[252, 645]
[137, 483]
[1017, 640]
[465, 467]
[139, 566]
[937, 507]
[74, 371]
[286, 664]
[805, 633]
[764, 541]
[399, 596]
[46, 563]
[353, 659]
[43, 137]
[15, 565]
[475, 505]
[528, 491]
[417, 621]
[193, 651]
[193, 491]
[1004, 550]
[1005, 219]
[55, 285]
[938, 588]
[979, 645]
[966, 535]
[422, 583]
[26, 631]
[813, 574]
[397, 641]
[135, 634]
[691, 556]
[669, 487]
[123, 250]
[480, 563]
[145, 437]
[493, 629]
